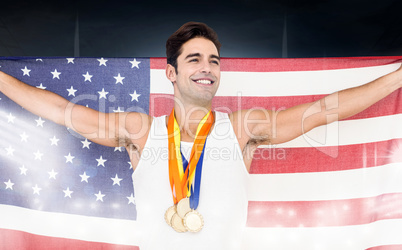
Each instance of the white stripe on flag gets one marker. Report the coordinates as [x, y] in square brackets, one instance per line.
[334, 185]
[350, 132]
[385, 232]
[113, 231]
[282, 83]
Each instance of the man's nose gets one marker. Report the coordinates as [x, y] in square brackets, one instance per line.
[205, 67]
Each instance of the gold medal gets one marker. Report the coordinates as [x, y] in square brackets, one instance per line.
[193, 221]
[185, 177]
[183, 207]
[169, 214]
[177, 224]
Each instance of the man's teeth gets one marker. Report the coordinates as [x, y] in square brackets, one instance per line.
[204, 81]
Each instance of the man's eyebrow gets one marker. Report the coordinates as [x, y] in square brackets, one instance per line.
[199, 55]
[193, 55]
[216, 57]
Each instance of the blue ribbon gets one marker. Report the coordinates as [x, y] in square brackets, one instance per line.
[195, 193]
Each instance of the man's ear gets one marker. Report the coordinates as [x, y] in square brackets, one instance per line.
[171, 73]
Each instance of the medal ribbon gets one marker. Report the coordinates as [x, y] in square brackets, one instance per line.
[181, 176]
[195, 190]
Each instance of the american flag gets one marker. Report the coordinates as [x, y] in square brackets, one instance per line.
[336, 187]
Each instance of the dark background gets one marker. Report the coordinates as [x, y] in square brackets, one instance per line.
[253, 28]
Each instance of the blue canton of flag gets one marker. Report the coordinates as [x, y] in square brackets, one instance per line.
[44, 166]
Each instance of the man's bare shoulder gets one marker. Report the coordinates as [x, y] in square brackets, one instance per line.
[245, 116]
[251, 125]
[137, 123]
[134, 129]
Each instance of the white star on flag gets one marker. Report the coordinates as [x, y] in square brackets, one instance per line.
[101, 161]
[24, 137]
[134, 63]
[67, 192]
[10, 118]
[38, 155]
[52, 174]
[84, 177]
[116, 180]
[71, 91]
[70, 60]
[9, 184]
[102, 61]
[134, 96]
[39, 122]
[10, 150]
[118, 110]
[56, 74]
[54, 141]
[85, 144]
[41, 86]
[131, 199]
[99, 196]
[87, 77]
[26, 71]
[69, 158]
[36, 189]
[119, 79]
[103, 93]
[23, 170]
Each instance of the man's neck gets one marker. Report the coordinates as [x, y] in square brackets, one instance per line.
[188, 117]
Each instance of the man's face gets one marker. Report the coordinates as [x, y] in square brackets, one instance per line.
[198, 72]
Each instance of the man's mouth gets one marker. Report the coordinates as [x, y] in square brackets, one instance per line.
[204, 81]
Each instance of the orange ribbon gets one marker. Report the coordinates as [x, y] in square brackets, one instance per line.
[180, 180]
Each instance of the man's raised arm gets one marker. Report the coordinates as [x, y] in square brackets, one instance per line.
[104, 128]
[279, 127]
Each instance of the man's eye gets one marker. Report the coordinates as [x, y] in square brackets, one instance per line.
[215, 62]
[194, 60]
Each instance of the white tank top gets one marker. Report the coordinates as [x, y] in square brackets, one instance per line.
[223, 195]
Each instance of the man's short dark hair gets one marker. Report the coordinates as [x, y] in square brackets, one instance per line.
[186, 32]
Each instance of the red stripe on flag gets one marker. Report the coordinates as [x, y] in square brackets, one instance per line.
[386, 247]
[162, 104]
[22, 240]
[390, 105]
[158, 62]
[327, 213]
[292, 64]
[300, 160]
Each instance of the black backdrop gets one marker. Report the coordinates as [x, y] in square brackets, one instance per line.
[253, 28]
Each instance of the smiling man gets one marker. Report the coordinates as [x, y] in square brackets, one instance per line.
[195, 198]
